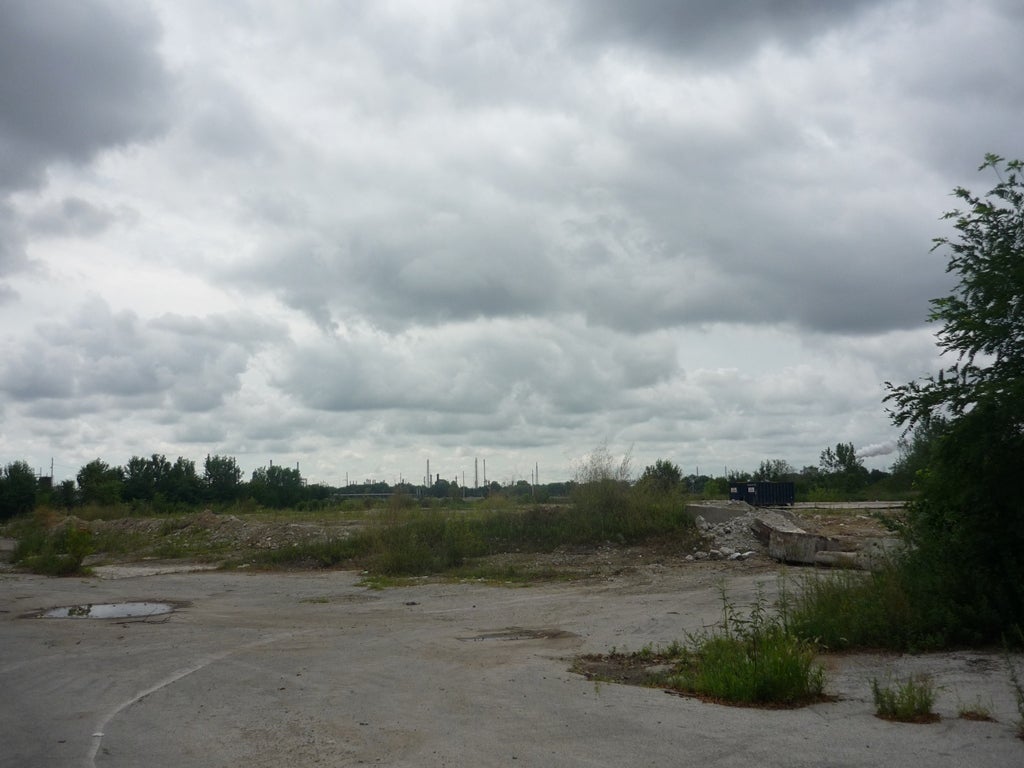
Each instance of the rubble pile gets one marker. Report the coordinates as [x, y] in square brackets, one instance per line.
[736, 538]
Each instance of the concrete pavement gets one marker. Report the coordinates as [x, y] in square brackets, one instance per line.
[311, 669]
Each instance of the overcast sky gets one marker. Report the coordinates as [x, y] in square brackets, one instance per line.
[362, 235]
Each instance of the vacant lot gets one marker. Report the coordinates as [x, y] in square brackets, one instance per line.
[314, 669]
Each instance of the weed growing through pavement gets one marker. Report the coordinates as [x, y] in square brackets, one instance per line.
[976, 711]
[748, 659]
[909, 701]
[752, 659]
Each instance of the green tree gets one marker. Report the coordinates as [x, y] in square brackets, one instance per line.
[842, 469]
[17, 489]
[99, 483]
[222, 479]
[65, 495]
[183, 485]
[661, 477]
[774, 470]
[967, 526]
[276, 486]
[983, 319]
[914, 452]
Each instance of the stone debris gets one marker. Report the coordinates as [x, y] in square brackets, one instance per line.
[736, 537]
[737, 531]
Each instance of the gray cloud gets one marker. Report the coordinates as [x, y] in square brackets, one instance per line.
[74, 216]
[172, 363]
[370, 233]
[716, 31]
[75, 78]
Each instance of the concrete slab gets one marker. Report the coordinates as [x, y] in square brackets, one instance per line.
[311, 669]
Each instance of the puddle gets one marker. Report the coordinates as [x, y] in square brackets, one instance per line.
[108, 611]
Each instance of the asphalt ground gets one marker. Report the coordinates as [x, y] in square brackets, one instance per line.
[314, 670]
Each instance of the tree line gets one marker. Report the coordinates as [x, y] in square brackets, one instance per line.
[153, 481]
[157, 483]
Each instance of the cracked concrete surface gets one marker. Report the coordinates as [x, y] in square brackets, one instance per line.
[312, 669]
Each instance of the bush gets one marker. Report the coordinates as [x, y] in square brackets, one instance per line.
[904, 607]
[967, 526]
[845, 610]
[56, 552]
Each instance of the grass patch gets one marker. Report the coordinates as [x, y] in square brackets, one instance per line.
[753, 659]
[976, 711]
[899, 608]
[330, 553]
[404, 541]
[510, 573]
[848, 609]
[401, 538]
[748, 660]
[909, 701]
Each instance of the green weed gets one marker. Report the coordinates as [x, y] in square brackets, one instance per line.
[976, 711]
[753, 659]
[910, 701]
[54, 552]
[404, 541]
[896, 608]
[748, 659]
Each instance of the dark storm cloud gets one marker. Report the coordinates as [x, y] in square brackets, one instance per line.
[75, 78]
[722, 204]
[717, 31]
[431, 269]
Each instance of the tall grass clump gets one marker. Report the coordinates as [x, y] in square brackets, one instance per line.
[905, 606]
[420, 543]
[56, 551]
[407, 540]
[849, 609]
[607, 507]
[909, 701]
[754, 660]
[330, 553]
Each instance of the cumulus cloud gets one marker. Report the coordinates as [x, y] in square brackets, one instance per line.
[168, 363]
